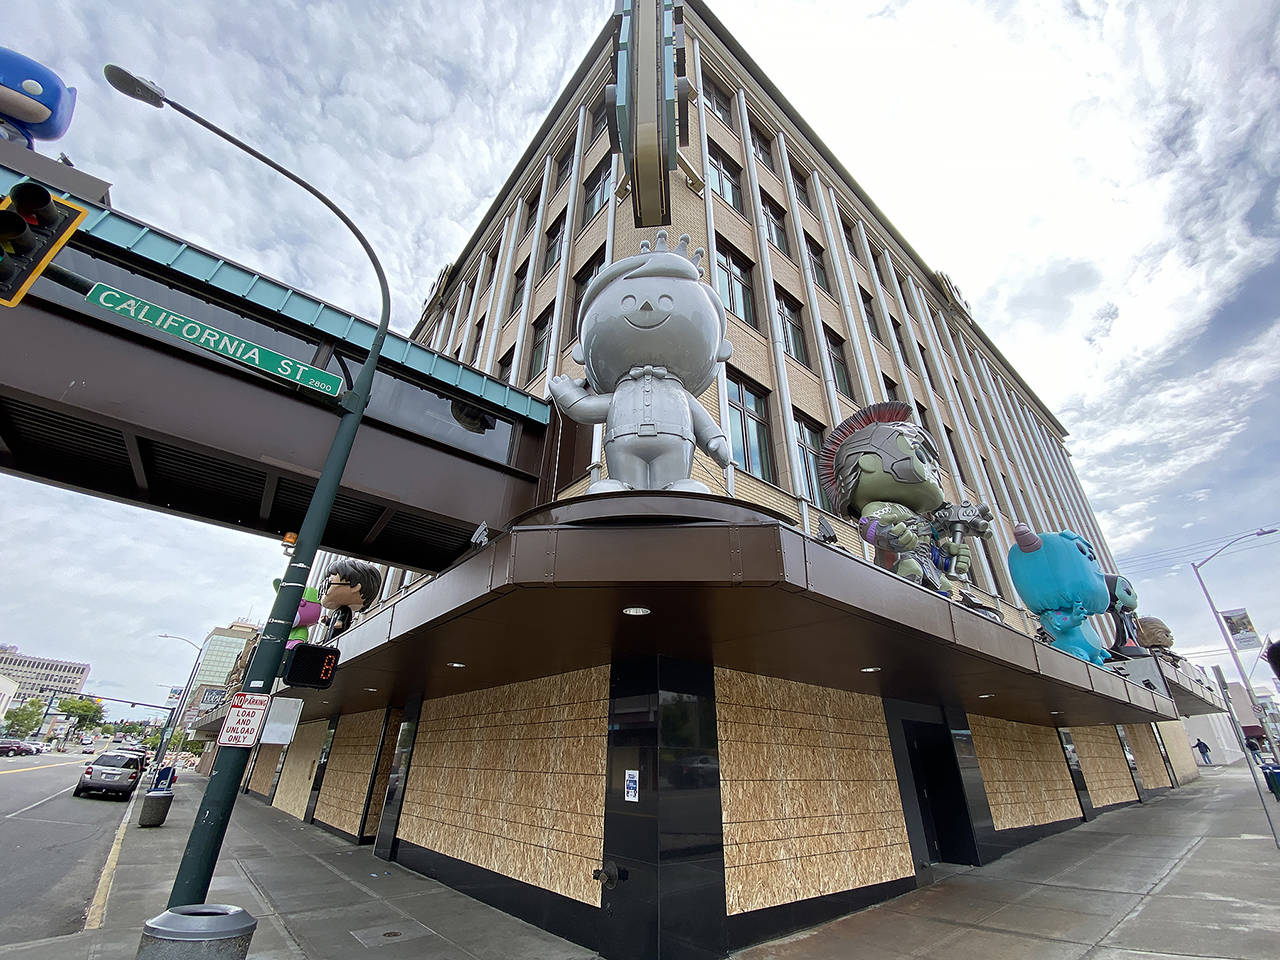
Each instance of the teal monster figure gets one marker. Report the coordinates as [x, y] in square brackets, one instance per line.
[881, 469]
[1060, 580]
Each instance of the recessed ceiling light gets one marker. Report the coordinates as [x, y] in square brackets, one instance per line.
[985, 696]
[636, 611]
[1054, 713]
[455, 663]
[370, 689]
[870, 669]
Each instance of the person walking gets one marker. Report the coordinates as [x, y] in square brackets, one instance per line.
[1204, 752]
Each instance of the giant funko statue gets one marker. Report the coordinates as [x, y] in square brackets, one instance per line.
[881, 469]
[651, 336]
[1060, 580]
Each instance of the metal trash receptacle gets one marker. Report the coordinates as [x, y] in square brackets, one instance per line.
[201, 931]
[155, 808]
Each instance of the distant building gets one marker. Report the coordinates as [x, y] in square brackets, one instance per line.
[221, 648]
[41, 676]
[8, 691]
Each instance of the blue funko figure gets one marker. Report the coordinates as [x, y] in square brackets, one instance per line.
[34, 102]
[1059, 579]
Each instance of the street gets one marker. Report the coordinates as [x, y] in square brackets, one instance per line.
[54, 845]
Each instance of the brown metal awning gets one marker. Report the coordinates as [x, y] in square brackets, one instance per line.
[745, 591]
[1193, 695]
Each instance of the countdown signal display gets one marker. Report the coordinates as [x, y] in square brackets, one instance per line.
[310, 665]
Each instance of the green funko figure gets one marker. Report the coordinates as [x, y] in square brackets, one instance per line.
[881, 469]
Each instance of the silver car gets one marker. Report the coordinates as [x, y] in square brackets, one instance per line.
[113, 772]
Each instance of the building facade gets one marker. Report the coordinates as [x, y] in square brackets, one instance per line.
[42, 677]
[220, 651]
[669, 725]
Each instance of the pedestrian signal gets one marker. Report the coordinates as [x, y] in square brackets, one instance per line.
[310, 665]
[34, 226]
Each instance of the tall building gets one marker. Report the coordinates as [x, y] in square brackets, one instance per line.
[219, 651]
[670, 725]
[42, 677]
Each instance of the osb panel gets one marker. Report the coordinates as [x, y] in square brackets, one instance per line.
[1151, 768]
[1178, 744]
[512, 779]
[808, 792]
[1024, 772]
[294, 788]
[1106, 771]
[379, 796]
[350, 766]
[264, 768]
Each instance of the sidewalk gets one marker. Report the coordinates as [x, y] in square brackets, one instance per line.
[316, 897]
[1192, 874]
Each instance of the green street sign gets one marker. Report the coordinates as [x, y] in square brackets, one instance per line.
[215, 340]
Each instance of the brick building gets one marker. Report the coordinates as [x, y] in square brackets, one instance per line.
[668, 725]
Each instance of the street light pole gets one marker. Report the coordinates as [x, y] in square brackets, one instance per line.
[175, 712]
[191, 885]
[1222, 624]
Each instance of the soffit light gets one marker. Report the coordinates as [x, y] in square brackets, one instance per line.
[870, 669]
[636, 611]
[985, 696]
[457, 665]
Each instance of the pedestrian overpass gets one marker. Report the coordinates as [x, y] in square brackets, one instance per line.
[106, 403]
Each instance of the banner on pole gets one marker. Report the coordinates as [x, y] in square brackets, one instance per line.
[1240, 626]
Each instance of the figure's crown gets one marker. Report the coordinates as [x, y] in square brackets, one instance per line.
[682, 249]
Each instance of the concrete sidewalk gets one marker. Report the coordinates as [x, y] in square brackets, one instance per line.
[316, 897]
[1192, 874]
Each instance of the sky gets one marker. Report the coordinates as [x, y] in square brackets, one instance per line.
[1101, 179]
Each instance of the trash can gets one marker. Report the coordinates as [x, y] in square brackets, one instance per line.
[202, 931]
[155, 807]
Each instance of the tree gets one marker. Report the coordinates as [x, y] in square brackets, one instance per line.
[25, 720]
[82, 710]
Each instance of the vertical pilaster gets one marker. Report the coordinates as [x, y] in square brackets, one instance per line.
[530, 280]
[498, 314]
[566, 245]
[860, 336]
[881, 308]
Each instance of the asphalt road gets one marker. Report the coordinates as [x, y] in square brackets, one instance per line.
[52, 845]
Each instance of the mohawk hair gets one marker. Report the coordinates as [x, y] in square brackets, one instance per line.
[891, 411]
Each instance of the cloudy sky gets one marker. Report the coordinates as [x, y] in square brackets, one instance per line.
[1099, 178]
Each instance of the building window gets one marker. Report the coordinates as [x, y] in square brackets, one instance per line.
[733, 281]
[817, 263]
[809, 448]
[995, 488]
[850, 240]
[581, 280]
[868, 310]
[541, 340]
[995, 575]
[505, 364]
[839, 369]
[596, 188]
[802, 187]
[749, 428]
[792, 329]
[531, 213]
[724, 177]
[555, 236]
[564, 165]
[924, 367]
[475, 346]
[719, 102]
[902, 346]
[518, 283]
[599, 120]
[762, 147]
[775, 223]
[951, 445]
[890, 387]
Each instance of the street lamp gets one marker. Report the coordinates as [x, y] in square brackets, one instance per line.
[191, 885]
[176, 712]
[1222, 625]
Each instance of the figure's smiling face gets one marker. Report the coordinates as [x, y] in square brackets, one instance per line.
[646, 314]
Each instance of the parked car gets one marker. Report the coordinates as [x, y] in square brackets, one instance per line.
[40, 745]
[16, 748]
[115, 772]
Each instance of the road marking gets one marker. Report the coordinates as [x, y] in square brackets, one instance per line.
[44, 766]
[10, 816]
[98, 908]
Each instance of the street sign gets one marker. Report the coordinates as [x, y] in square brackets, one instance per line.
[244, 720]
[214, 340]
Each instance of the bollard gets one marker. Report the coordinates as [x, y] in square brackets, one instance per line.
[202, 931]
[155, 808]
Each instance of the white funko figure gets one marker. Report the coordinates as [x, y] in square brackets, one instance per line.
[651, 336]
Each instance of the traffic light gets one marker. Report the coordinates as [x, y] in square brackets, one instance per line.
[310, 665]
[34, 225]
